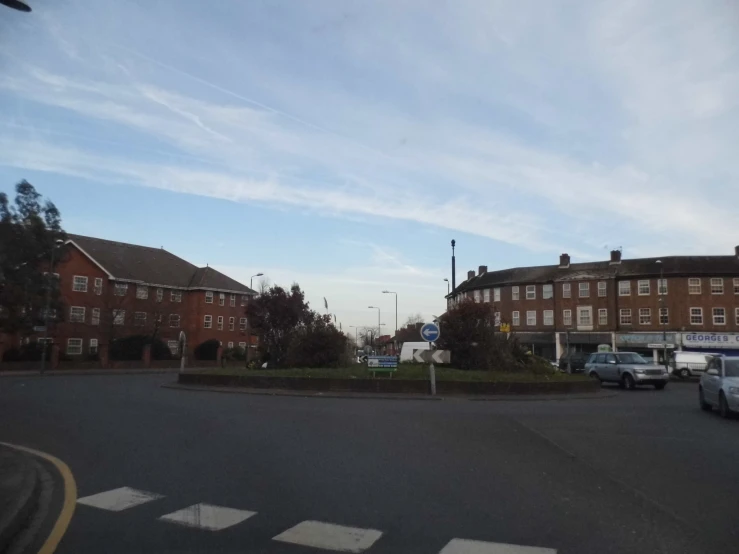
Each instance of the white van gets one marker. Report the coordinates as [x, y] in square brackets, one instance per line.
[689, 364]
[406, 352]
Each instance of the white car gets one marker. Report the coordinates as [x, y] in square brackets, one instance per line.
[719, 385]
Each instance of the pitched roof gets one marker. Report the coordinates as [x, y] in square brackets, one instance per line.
[154, 266]
[672, 266]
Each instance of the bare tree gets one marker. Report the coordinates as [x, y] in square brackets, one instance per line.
[413, 320]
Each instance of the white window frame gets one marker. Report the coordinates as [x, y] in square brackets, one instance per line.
[647, 287]
[142, 292]
[717, 285]
[221, 299]
[78, 344]
[515, 292]
[242, 323]
[625, 317]
[177, 321]
[120, 289]
[92, 349]
[566, 290]
[736, 316]
[694, 285]
[175, 296]
[516, 318]
[219, 323]
[719, 319]
[584, 310]
[602, 289]
[231, 323]
[98, 288]
[476, 296]
[695, 312]
[139, 321]
[602, 316]
[530, 293]
[232, 301]
[207, 322]
[567, 318]
[242, 345]
[531, 318]
[624, 288]
[243, 300]
[496, 294]
[80, 317]
[79, 283]
[486, 295]
[584, 292]
[645, 316]
[230, 344]
[95, 316]
[547, 291]
[736, 285]
[208, 296]
[160, 294]
[548, 317]
[119, 317]
[664, 316]
[661, 287]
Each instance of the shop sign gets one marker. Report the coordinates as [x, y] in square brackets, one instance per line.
[643, 339]
[711, 340]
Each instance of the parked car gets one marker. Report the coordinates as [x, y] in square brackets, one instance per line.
[577, 361]
[719, 385]
[628, 369]
[689, 364]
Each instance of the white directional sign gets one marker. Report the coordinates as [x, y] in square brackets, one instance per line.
[432, 356]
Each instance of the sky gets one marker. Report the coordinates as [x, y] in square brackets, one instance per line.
[343, 144]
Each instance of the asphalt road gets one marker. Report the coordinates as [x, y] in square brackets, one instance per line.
[644, 471]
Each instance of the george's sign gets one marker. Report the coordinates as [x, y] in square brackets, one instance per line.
[711, 340]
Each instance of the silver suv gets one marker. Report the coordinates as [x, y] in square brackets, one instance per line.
[719, 385]
[628, 369]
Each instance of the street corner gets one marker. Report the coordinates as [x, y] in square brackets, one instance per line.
[37, 500]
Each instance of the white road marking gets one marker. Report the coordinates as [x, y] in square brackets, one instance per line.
[465, 546]
[207, 516]
[118, 499]
[330, 536]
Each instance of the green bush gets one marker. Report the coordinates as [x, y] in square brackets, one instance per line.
[207, 350]
[236, 353]
[132, 348]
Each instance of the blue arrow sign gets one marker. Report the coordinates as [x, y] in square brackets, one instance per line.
[430, 332]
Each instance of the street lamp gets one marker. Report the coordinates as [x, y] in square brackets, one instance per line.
[47, 308]
[378, 318]
[396, 307]
[661, 307]
[447, 287]
[251, 279]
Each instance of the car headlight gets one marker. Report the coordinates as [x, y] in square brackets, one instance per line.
[734, 390]
[639, 370]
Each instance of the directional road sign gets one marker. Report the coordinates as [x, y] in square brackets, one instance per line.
[430, 332]
[432, 356]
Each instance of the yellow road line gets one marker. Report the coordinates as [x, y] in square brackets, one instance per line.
[70, 498]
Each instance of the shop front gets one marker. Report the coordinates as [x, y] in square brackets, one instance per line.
[723, 343]
[574, 341]
[649, 345]
[541, 344]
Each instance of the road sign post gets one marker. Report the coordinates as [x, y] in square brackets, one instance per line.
[430, 332]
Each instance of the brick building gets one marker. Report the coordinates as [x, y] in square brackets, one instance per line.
[113, 289]
[628, 304]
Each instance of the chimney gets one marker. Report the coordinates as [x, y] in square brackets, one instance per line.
[482, 269]
[470, 274]
[615, 257]
[564, 261]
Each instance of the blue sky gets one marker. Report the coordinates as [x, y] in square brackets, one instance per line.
[343, 144]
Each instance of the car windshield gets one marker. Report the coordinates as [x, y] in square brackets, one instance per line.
[731, 368]
[631, 358]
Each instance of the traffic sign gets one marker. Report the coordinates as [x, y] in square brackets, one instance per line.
[382, 363]
[432, 356]
[430, 332]
[505, 327]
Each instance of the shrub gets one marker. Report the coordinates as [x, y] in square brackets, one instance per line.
[236, 353]
[30, 352]
[132, 348]
[319, 344]
[207, 350]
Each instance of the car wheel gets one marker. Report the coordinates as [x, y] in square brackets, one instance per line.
[594, 376]
[685, 373]
[629, 382]
[660, 386]
[705, 406]
[723, 406]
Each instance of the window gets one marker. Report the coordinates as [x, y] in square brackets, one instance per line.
[584, 316]
[661, 287]
[208, 321]
[566, 290]
[243, 300]
[121, 289]
[696, 316]
[694, 286]
[664, 316]
[98, 286]
[174, 320]
[736, 285]
[602, 289]
[531, 317]
[231, 323]
[242, 324]
[624, 288]
[548, 317]
[93, 346]
[139, 319]
[530, 292]
[643, 288]
[119, 317]
[174, 346]
[175, 296]
[220, 323]
[496, 294]
[142, 292]
[516, 318]
[230, 344]
[584, 290]
[50, 313]
[736, 316]
[547, 291]
[567, 318]
[74, 347]
[645, 316]
[719, 316]
[486, 295]
[232, 301]
[602, 316]
[717, 286]
[476, 295]
[242, 345]
[496, 319]
[208, 296]
[160, 294]
[514, 293]
[625, 316]
[79, 283]
[77, 314]
[221, 299]
[95, 319]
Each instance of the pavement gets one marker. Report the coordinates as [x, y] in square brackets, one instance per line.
[167, 470]
[19, 492]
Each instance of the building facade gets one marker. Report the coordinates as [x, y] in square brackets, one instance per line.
[691, 301]
[112, 290]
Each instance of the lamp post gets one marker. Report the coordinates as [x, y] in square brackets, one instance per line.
[47, 304]
[247, 354]
[379, 332]
[251, 279]
[659, 310]
[447, 287]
